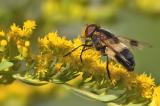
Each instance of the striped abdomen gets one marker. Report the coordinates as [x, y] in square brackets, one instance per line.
[122, 55]
[125, 57]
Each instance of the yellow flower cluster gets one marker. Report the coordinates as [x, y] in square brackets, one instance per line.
[21, 36]
[42, 65]
[3, 41]
[54, 44]
[28, 26]
[52, 41]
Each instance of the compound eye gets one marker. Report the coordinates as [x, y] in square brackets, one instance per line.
[90, 29]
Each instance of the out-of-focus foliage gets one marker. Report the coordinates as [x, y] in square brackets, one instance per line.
[149, 6]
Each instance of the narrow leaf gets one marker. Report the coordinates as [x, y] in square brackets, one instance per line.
[30, 81]
[5, 65]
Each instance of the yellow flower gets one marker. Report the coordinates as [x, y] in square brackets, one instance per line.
[146, 85]
[29, 24]
[2, 33]
[51, 42]
[42, 64]
[58, 41]
[3, 42]
[58, 66]
[15, 28]
[23, 48]
[43, 41]
[27, 43]
[156, 97]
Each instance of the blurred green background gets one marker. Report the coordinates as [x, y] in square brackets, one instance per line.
[138, 19]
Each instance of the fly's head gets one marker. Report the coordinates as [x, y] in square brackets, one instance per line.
[90, 29]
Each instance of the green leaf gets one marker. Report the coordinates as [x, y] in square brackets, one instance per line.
[30, 81]
[102, 98]
[5, 65]
[56, 81]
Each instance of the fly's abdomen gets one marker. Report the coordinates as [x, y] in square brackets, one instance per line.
[126, 58]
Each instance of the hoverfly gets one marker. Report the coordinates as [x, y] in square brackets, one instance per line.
[114, 47]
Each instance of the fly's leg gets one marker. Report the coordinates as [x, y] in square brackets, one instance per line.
[107, 68]
[107, 62]
[76, 49]
[83, 51]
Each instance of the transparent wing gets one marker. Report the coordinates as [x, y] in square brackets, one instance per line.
[133, 43]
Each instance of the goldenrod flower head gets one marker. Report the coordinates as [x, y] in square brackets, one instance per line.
[118, 72]
[51, 42]
[29, 24]
[3, 42]
[156, 97]
[146, 85]
[27, 43]
[28, 27]
[23, 51]
[2, 33]
[15, 29]
[23, 47]
[42, 65]
[58, 41]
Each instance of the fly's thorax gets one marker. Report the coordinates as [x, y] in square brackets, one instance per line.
[97, 43]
